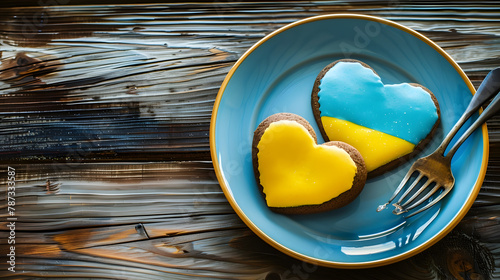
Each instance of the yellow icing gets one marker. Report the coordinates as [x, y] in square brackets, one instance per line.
[295, 171]
[377, 148]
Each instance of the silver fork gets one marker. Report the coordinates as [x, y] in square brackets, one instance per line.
[436, 167]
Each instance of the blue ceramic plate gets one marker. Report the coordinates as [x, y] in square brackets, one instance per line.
[277, 75]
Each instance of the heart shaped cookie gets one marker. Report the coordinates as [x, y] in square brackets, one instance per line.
[387, 124]
[298, 176]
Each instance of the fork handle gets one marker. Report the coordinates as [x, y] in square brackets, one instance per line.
[488, 88]
[490, 111]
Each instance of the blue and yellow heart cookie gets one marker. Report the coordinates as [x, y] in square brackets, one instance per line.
[387, 124]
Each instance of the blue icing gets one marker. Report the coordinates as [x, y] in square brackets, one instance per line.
[354, 93]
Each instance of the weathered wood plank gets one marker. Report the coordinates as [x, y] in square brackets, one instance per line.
[138, 82]
[118, 194]
[166, 220]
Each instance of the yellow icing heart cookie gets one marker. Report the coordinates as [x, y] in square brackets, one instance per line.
[298, 176]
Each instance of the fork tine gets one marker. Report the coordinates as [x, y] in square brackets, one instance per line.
[415, 195]
[410, 189]
[400, 210]
[397, 191]
[430, 204]
[429, 194]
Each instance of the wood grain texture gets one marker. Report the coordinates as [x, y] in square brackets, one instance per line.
[146, 221]
[139, 81]
[105, 112]
[169, 221]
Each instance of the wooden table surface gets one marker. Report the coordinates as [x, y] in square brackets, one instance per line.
[105, 112]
